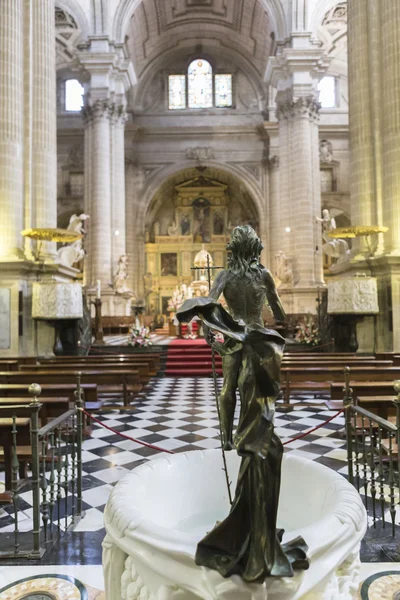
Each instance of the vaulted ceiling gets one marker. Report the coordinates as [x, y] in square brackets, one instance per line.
[158, 26]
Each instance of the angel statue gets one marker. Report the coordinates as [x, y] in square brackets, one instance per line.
[335, 248]
[246, 542]
[76, 223]
[70, 254]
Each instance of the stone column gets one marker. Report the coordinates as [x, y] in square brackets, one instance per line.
[11, 128]
[118, 238]
[275, 227]
[99, 160]
[390, 61]
[44, 139]
[301, 193]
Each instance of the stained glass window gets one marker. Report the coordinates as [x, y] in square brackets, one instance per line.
[200, 84]
[73, 95]
[223, 90]
[177, 92]
[327, 92]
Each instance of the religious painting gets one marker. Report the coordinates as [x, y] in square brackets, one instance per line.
[169, 264]
[218, 225]
[185, 224]
[164, 304]
[201, 220]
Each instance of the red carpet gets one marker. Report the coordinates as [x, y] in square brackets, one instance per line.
[190, 358]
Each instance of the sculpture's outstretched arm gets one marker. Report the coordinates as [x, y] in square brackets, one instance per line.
[273, 298]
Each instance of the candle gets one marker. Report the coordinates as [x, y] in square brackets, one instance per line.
[98, 289]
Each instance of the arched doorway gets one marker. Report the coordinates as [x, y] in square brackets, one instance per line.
[195, 207]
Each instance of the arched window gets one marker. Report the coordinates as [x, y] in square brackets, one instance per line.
[199, 88]
[200, 84]
[73, 95]
[327, 92]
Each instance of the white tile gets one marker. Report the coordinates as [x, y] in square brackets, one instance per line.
[174, 433]
[338, 454]
[143, 423]
[93, 443]
[176, 415]
[122, 458]
[136, 433]
[97, 496]
[171, 444]
[100, 433]
[110, 475]
[301, 454]
[292, 444]
[208, 432]
[208, 423]
[93, 520]
[111, 423]
[128, 445]
[176, 423]
[88, 456]
[208, 443]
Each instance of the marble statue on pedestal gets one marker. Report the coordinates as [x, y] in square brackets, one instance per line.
[121, 275]
[283, 270]
[246, 542]
[335, 248]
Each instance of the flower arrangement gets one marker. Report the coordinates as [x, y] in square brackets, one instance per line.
[308, 331]
[139, 337]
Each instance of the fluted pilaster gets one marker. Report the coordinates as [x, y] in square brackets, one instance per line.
[44, 139]
[11, 127]
[118, 120]
[362, 163]
[390, 65]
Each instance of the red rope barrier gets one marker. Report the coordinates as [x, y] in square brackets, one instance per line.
[299, 437]
[124, 435]
[302, 435]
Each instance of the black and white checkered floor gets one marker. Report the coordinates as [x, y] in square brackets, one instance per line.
[179, 415]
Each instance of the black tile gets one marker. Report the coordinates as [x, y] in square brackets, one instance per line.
[107, 450]
[145, 451]
[96, 465]
[316, 449]
[152, 438]
[191, 438]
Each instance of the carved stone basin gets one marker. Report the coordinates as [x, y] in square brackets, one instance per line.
[157, 514]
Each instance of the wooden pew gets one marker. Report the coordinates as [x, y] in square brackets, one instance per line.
[364, 388]
[8, 365]
[50, 409]
[147, 368]
[140, 368]
[110, 380]
[320, 378]
[68, 390]
[153, 360]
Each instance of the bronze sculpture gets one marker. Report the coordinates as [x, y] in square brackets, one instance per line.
[247, 542]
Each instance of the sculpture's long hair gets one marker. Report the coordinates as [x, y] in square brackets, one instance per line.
[246, 248]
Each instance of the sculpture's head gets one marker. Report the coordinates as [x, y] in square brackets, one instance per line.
[246, 247]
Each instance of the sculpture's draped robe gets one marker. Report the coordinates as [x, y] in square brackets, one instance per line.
[247, 542]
